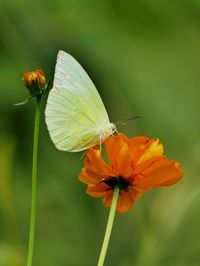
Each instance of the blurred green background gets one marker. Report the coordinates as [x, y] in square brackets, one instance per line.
[144, 57]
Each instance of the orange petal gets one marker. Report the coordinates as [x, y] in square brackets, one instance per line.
[97, 191]
[88, 176]
[137, 146]
[153, 149]
[107, 201]
[135, 193]
[157, 172]
[171, 182]
[124, 203]
[138, 142]
[119, 154]
[95, 162]
[144, 149]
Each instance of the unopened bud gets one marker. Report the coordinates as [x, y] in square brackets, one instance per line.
[35, 82]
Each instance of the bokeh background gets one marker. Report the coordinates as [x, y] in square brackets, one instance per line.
[144, 58]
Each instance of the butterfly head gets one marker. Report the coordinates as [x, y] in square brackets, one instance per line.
[107, 131]
[113, 129]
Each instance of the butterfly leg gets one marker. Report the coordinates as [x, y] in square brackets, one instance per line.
[100, 141]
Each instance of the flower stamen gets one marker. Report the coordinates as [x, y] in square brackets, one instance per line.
[122, 183]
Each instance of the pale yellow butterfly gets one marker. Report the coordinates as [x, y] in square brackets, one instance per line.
[75, 114]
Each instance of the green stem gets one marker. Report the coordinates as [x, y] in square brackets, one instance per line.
[34, 179]
[109, 227]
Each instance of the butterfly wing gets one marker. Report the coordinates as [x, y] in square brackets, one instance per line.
[74, 110]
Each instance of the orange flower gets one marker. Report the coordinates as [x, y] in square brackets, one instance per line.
[35, 81]
[136, 165]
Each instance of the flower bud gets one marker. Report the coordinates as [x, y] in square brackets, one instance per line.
[35, 82]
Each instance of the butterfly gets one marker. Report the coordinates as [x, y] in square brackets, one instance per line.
[75, 114]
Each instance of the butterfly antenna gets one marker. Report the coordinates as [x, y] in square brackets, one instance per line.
[131, 118]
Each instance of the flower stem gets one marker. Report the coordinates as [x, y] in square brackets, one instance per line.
[109, 227]
[34, 179]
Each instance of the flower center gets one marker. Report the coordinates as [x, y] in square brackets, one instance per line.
[121, 182]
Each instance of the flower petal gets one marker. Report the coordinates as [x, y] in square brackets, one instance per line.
[97, 191]
[135, 193]
[157, 172]
[107, 201]
[144, 149]
[137, 146]
[153, 149]
[95, 162]
[119, 154]
[138, 142]
[88, 176]
[124, 203]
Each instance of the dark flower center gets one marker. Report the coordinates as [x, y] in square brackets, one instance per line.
[121, 182]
